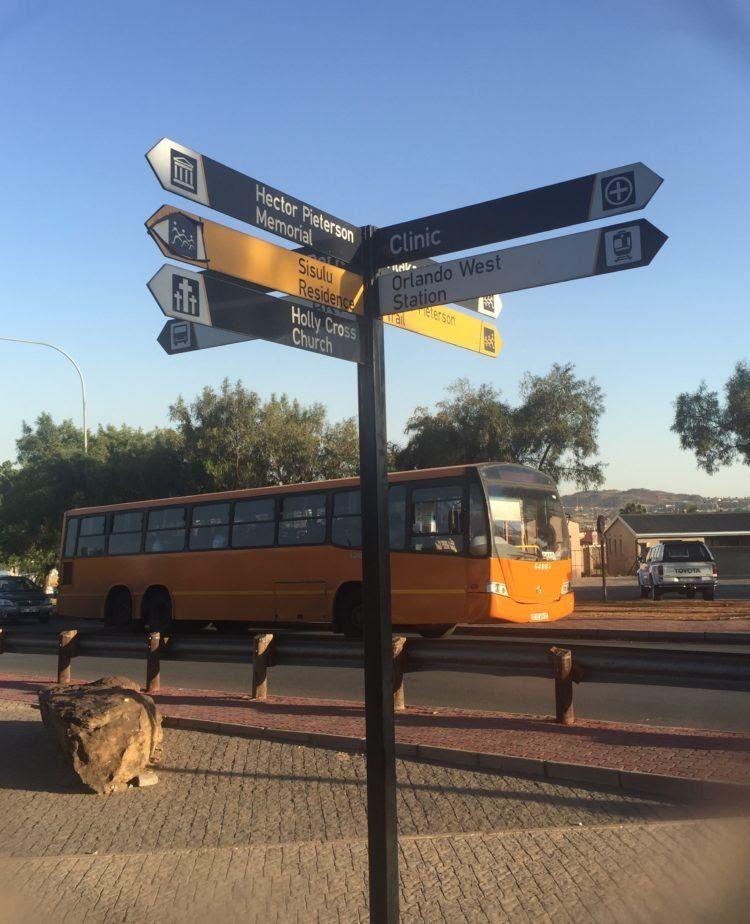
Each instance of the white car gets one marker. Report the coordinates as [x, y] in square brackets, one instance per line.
[678, 566]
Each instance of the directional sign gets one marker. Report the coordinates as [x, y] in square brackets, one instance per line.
[211, 300]
[598, 195]
[187, 173]
[185, 337]
[557, 259]
[450, 326]
[224, 250]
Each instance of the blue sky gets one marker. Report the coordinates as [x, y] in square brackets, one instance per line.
[377, 113]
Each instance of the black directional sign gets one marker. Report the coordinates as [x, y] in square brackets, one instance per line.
[183, 171]
[186, 337]
[557, 259]
[221, 302]
[598, 195]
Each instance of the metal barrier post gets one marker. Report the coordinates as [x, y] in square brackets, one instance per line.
[562, 660]
[65, 654]
[153, 665]
[261, 659]
[1, 641]
[399, 659]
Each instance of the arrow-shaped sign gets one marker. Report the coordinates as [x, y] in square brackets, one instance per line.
[185, 337]
[237, 311]
[557, 259]
[217, 302]
[598, 195]
[185, 172]
[224, 250]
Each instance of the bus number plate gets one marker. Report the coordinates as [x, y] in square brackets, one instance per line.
[539, 617]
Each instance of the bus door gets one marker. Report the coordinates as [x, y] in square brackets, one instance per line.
[430, 580]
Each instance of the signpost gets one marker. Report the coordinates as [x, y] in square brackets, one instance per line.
[339, 306]
[216, 302]
[186, 337]
[557, 259]
[598, 195]
[185, 172]
[224, 250]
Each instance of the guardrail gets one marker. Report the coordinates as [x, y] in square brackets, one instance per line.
[560, 632]
[576, 663]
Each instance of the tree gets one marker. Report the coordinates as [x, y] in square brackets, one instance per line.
[554, 428]
[633, 507]
[53, 475]
[716, 433]
[231, 439]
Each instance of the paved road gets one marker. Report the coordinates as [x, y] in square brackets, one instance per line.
[252, 830]
[652, 705]
[626, 588]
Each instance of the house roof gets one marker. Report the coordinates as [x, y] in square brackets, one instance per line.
[663, 525]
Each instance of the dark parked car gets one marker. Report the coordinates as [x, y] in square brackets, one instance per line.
[21, 599]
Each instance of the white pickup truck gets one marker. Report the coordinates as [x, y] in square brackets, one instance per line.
[680, 566]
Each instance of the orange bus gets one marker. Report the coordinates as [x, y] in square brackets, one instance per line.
[469, 544]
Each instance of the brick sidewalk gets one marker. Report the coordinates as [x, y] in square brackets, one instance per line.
[677, 752]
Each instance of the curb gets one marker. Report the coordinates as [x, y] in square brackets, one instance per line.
[697, 637]
[690, 789]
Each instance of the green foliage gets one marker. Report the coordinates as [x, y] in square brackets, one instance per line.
[227, 438]
[554, 428]
[633, 507]
[718, 434]
[232, 439]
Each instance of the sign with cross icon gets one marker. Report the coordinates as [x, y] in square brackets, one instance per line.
[598, 195]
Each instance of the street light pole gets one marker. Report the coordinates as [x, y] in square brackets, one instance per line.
[80, 376]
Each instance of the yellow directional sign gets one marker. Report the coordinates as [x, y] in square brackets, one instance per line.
[224, 250]
[450, 326]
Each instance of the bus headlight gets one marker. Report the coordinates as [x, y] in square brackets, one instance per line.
[495, 587]
[565, 589]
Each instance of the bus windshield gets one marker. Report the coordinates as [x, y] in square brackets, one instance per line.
[527, 523]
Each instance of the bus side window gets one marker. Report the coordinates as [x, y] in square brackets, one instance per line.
[303, 519]
[478, 536]
[346, 525]
[125, 535]
[397, 516]
[210, 527]
[436, 521]
[71, 534]
[254, 523]
[166, 530]
[91, 536]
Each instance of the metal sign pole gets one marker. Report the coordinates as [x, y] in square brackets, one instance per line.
[376, 599]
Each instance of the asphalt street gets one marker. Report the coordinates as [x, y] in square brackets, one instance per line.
[626, 588]
[651, 705]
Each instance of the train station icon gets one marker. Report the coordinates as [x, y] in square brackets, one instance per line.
[622, 246]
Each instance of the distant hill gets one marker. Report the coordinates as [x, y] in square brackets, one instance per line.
[585, 506]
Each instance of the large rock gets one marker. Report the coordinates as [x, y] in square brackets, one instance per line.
[107, 729]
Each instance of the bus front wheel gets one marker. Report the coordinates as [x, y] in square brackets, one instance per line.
[157, 611]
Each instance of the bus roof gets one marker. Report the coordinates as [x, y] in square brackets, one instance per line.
[410, 475]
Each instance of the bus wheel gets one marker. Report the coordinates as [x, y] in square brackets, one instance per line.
[352, 615]
[119, 612]
[436, 631]
[157, 612]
